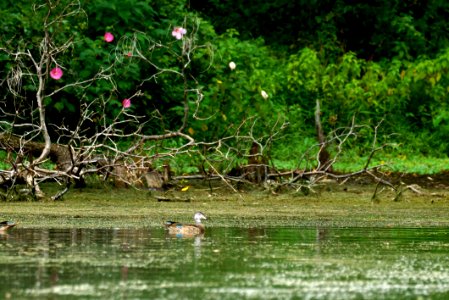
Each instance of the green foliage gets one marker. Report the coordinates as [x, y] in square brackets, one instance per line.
[3, 160]
[385, 61]
[233, 96]
[404, 94]
[371, 29]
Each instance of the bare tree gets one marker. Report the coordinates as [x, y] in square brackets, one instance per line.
[28, 116]
[27, 138]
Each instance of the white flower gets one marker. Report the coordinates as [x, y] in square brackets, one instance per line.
[232, 65]
[264, 94]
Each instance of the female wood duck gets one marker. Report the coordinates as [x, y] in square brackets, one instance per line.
[187, 229]
[5, 225]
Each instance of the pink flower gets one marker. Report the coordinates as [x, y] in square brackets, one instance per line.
[178, 32]
[56, 73]
[108, 37]
[126, 103]
[129, 54]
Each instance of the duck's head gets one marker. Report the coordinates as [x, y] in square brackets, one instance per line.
[199, 216]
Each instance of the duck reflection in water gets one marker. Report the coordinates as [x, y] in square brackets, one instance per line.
[322, 234]
[187, 230]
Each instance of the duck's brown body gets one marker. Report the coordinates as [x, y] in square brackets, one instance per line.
[184, 229]
[5, 225]
[176, 228]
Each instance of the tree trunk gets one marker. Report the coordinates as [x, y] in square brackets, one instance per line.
[323, 155]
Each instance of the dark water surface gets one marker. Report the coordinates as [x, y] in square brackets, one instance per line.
[226, 263]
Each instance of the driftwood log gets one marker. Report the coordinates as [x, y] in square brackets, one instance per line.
[25, 150]
[59, 154]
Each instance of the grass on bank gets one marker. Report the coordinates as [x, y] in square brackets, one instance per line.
[392, 159]
[407, 161]
[397, 163]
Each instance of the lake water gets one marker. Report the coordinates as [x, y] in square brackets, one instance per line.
[226, 263]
